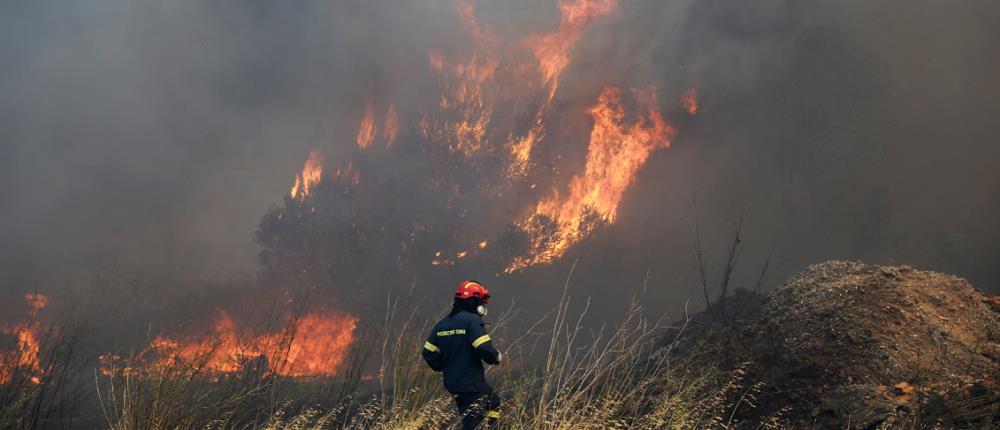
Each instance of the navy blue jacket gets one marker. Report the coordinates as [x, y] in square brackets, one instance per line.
[458, 345]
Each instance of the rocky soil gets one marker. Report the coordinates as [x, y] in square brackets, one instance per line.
[850, 345]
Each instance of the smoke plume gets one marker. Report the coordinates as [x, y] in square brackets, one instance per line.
[171, 138]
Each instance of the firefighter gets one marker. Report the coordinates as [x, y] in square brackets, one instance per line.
[457, 346]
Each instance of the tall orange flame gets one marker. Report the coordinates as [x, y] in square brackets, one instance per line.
[311, 174]
[366, 131]
[552, 50]
[471, 118]
[615, 153]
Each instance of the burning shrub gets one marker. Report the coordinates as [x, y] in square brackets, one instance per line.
[39, 369]
[22, 357]
[479, 183]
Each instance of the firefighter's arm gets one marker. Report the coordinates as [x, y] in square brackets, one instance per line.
[483, 344]
[431, 353]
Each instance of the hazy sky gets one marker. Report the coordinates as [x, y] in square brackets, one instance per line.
[141, 132]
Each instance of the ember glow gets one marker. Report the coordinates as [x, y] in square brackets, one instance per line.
[28, 346]
[314, 344]
[310, 176]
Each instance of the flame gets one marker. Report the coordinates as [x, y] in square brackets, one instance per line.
[494, 107]
[391, 127]
[28, 347]
[615, 153]
[552, 50]
[470, 117]
[310, 176]
[689, 101]
[315, 344]
[492, 120]
[468, 94]
[366, 131]
[472, 87]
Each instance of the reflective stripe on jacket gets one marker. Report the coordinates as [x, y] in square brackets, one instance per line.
[458, 345]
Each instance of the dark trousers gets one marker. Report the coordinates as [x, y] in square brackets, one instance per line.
[475, 407]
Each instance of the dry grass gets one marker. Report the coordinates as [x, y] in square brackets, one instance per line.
[621, 376]
[615, 379]
[41, 388]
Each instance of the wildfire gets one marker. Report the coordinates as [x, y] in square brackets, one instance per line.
[470, 118]
[472, 87]
[314, 344]
[468, 98]
[25, 354]
[310, 176]
[366, 131]
[552, 51]
[689, 101]
[615, 153]
[391, 127]
[492, 123]
[494, 106]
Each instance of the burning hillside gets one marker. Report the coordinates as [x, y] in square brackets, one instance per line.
[482, 178]
[490, 186]
[488, 181]
[249, 215]
[616, 151]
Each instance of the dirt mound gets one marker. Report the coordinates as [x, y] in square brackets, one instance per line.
[845, 344]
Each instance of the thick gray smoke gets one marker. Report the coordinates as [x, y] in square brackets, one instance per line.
[155, 135]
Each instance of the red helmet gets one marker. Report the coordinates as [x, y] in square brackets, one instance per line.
[472, 289]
